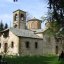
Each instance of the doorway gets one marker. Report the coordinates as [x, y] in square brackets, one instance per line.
[5, 47]
[56, 49]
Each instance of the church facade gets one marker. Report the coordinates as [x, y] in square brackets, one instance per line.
[22, 39]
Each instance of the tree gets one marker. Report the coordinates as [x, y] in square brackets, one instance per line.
[28, 16]
[6, 26]
[57, 17]
[1, 26]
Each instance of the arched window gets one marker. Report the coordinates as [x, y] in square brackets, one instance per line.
[5, 47]
[15, 26]
[22, 17]
[16, 17]
[12, 44]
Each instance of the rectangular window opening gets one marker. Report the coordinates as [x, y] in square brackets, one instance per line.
[0, 45]
[36, 45]
[27, 44]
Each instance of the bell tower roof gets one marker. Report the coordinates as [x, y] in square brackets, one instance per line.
[19, 10]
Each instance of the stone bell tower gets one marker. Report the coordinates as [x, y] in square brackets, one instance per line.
[19, 19]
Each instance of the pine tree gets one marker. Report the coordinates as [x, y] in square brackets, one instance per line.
[6, 26]
[1, 26]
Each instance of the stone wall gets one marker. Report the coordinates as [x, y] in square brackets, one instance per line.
[31, 50]
[34, 24]
[19, 23]
[11, 38]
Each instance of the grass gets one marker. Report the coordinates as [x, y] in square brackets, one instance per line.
[33, 60]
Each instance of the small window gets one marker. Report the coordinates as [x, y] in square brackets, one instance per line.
[12, 44]
[57, 40]
[15, 26]
[27, 44]
[16, 17]
[0, 45]
[36, 45]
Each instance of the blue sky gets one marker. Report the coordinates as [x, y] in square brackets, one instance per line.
[36, 8]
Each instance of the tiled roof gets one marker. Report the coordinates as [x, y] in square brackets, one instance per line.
[24, 33]
[38, 30]
[34, 19]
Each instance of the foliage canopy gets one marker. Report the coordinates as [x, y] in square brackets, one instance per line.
[2, 26]
[57, 19]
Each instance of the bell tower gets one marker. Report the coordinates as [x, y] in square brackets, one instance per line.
[19, 19]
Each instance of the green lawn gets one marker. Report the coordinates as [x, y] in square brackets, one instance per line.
[33, 60]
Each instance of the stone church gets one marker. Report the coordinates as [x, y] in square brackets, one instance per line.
[26, 38]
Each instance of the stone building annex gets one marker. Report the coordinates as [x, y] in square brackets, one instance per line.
[27, 38]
